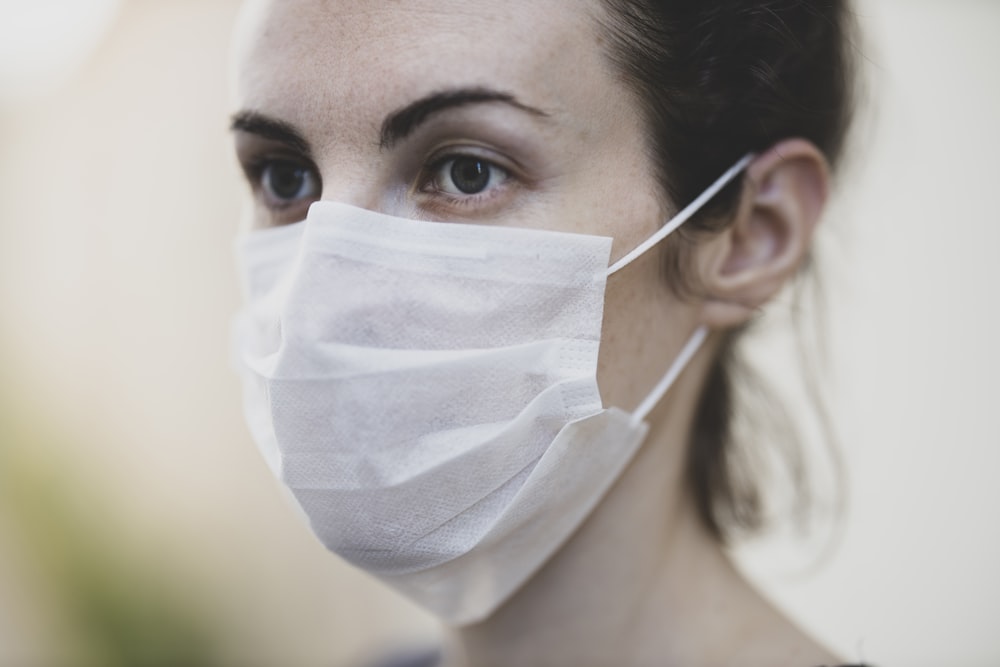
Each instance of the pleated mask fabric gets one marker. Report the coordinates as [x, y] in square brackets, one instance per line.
[427, 392]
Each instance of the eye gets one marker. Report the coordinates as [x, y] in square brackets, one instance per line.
[466, 175]
[284, 183]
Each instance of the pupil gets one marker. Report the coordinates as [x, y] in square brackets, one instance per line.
[470, 175]
[286, 180]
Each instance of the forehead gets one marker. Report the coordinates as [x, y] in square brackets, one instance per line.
[298, 59]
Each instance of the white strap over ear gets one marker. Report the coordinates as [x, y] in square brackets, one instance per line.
[683, 216]
[686, 353]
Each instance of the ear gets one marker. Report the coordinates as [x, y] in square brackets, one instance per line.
[744, 266]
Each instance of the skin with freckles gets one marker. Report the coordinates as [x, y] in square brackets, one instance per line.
[510, 114]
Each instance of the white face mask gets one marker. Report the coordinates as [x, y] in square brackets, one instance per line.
[428, 392]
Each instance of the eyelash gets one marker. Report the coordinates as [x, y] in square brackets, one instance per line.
[257, 168]
[425, 184]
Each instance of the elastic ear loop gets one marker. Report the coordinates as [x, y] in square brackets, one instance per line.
[688, 351]
[699, 335]
[681, 217]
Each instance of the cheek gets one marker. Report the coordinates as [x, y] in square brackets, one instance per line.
[645, 326]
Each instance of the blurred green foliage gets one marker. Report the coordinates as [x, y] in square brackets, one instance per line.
[109, 606]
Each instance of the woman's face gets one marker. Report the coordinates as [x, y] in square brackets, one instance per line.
[494, 113]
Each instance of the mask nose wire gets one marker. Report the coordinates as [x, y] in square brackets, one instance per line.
[681, 217]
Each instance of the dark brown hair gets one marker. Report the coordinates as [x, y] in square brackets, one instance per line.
[717, 79]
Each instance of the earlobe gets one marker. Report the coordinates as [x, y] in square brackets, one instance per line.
[784, 195]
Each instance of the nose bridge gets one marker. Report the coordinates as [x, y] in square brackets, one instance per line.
[368, 179]
[352, 178]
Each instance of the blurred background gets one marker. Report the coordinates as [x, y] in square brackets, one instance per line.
[138, 524]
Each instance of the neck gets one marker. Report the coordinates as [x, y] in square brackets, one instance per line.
[641, 582]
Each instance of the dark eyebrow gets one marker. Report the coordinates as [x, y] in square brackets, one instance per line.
[270, 128]
[402, 122]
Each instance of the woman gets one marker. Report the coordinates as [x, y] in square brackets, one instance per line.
[466, 304]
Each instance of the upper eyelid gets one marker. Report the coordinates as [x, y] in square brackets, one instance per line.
[258, 125]
[435, 163]
[262, 152]
[254, 173]
[484, 153]
[251, 145]
[254, 165]
[268, 152]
